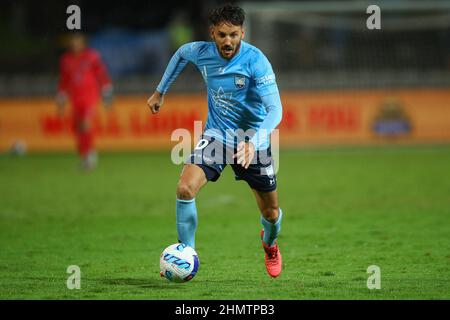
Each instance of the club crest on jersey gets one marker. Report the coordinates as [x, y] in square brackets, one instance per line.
[239, 82]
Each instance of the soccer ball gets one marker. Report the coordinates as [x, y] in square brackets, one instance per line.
[18, 148]
[178, 263]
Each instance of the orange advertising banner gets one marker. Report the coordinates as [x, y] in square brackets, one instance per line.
[309, 118]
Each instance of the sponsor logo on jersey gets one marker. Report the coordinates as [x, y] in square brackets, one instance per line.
[265, 81]
[223, 101]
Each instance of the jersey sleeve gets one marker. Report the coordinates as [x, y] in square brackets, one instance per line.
[264, 76]
[63, 83]
[272, 103]
[186, 53]
[100, 70]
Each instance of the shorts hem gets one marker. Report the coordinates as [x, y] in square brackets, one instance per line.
[207, 170]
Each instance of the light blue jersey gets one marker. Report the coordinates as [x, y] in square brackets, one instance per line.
[242, 92]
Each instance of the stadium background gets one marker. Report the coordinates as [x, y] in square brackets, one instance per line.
[366, 128]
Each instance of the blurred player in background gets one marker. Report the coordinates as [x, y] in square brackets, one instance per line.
[83, 78]
[242, 94]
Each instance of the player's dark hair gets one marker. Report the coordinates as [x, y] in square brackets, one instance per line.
[227, 13]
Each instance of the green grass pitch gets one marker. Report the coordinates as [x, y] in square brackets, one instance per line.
[344, 210]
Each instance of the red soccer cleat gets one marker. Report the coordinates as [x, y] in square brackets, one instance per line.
[272, 258]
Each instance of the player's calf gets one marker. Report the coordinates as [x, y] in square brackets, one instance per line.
[191, 180]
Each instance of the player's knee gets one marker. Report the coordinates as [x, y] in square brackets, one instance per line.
[271, 213]
[185, 191]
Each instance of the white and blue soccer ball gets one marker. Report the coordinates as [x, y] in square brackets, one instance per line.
[18, 148]
[179, 263]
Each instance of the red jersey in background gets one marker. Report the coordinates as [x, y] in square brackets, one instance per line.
[82, 76]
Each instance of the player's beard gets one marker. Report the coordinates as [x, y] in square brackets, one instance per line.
[228, 52]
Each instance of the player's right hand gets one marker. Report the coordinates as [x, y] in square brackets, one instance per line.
[107, 96]
[61, 100]
[155, 102]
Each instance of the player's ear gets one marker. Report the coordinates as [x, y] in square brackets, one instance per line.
[243, 33]
[211, 31]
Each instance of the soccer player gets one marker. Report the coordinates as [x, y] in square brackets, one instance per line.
[242, 94]
[83, 78]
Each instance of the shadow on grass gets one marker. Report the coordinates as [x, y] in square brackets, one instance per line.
[133, 282]
[141, 283]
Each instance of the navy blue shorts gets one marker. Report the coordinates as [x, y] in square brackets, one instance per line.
[212, 157]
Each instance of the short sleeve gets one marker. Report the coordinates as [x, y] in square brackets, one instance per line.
[186, 53]
[189, 51]
[264, 76]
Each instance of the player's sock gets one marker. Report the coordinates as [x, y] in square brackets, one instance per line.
[85, 142]
[88, 142]
[186, 221]
[271, 230]
[79, 137]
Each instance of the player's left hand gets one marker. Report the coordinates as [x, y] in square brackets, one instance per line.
[245, 153]
[107, 96]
